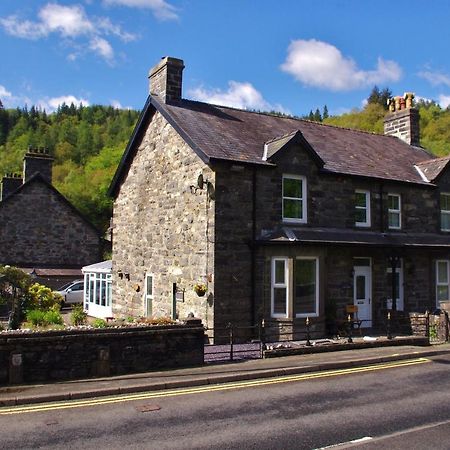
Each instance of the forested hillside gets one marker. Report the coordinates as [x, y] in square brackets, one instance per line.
[434, 121]
[87, 143]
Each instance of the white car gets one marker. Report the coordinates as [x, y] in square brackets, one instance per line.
[72, 292]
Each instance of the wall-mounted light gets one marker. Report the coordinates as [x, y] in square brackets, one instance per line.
[127, 276]
[33, 274]
[120, 273]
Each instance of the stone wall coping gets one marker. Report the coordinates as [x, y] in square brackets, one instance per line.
[23, 336]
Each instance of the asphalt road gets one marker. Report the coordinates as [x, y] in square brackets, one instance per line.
[397, 407]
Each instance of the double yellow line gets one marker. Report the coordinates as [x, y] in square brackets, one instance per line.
[209, 388]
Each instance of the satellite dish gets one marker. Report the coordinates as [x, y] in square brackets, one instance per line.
[200, 181]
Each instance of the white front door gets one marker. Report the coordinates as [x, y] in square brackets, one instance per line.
[362, 289]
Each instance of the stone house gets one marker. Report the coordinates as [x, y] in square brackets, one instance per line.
[282, 219]
[40, 230]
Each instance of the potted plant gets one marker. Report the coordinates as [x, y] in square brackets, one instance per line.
[200, 289]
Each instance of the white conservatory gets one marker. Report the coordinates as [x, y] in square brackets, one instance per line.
[98, 289]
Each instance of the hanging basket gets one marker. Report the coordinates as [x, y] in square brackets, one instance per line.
[200, 289]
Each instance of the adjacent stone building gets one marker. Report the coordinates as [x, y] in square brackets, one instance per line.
[40, 230]
[282, 219]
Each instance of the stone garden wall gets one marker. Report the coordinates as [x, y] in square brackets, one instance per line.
[77, 354]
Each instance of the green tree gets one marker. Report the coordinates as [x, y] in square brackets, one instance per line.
[380, 97]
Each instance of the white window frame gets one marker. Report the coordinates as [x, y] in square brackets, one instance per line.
[365, 208]
[444, 211]
[303, 199]
[316, 313]
[274, 285]
[439, 283]
[398, 212]
[148, 298]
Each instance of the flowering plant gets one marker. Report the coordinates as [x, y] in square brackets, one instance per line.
[200, 289]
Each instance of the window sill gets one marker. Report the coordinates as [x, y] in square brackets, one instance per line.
[296, 221]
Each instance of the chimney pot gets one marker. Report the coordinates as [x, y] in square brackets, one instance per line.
[166, 79]
[403, 119]
[10, 182]
[38, 160]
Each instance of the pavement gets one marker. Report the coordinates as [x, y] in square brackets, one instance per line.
[210, 374]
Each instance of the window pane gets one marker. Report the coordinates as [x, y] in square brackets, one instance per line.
[108, 293]
[445, 221]
[393, 202]
[442, 272]
[360, 199]
[442, 293]
[360, 287]
[305, 286]
[394, 220]
[292, 209]
[292, 188]
[279, 272]
[149, 285]
[445, 202]
[279, 301]
[361, 216]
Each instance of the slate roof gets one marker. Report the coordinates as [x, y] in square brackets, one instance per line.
[238, 135]
[433, 167]
[38, 178]
[223, 133]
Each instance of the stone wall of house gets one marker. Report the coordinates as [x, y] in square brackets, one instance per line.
[164, 225]
[75, 354]
[330, 204]
[331, 198]
[39, 228]
[233, 254]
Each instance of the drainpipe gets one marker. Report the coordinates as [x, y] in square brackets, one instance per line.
[253, 249]
[394, 260]
[381, 209]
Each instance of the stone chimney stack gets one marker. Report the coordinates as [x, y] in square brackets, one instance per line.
[37, 160]
[10, 182]
[403, 119]
[166, 79]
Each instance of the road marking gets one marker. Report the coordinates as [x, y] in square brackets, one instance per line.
[70, 404]
[342, 444]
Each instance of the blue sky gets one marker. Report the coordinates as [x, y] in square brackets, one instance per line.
[290, 55]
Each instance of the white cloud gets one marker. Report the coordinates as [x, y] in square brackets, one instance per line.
[116, 104]
[10, 100]
[160, 8]
[4, 93]
[102, 47]
[435, 78]
[70, 23]
[239, 95]
[51, 104]
[444, 101]
[67, 20]
[319, 64]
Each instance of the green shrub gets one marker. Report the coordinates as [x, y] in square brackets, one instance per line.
[36, 317]
[53, 317]
[43, 298]
[99, 323]
[78, 316]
